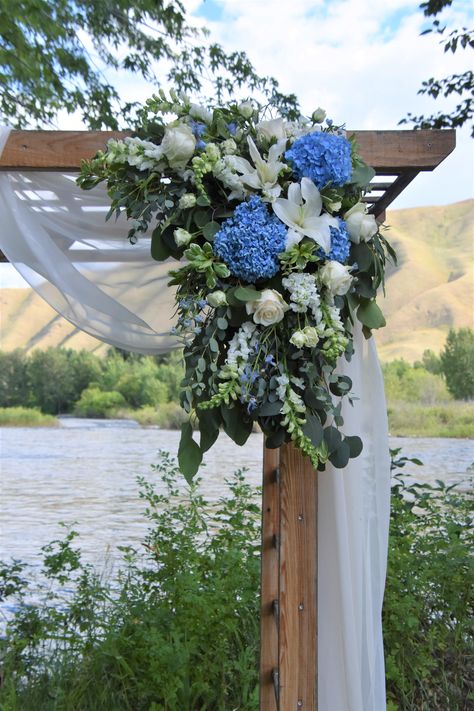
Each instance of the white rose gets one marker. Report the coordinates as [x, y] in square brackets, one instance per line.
[200, 112]
[336, 277]
[318, 115]
[178, 145]
[275, 128]
[246, 109]
[270, 308]
[182, 237]
[187, 200]
[311, 336]
[298, 339]
[216, 298]
[360, 225]
[229, 146]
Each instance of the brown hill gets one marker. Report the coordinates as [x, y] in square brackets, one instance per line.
[430, 291]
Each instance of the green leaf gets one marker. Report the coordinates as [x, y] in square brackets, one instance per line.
[189, 453]
[203, 201]
[246, 293]
[159, 249]
[209, 421]
[234, 424]
[213, 345]
[340, 457]
[333, 438]
[210, 229]
[201, 218]
[313, 429]
[362, 254]
[269, 409]
[362, 175]
[355, 445]
[275, 439]
[370, 315]
[222, 323]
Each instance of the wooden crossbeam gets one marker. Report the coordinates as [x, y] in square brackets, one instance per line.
[387, 151]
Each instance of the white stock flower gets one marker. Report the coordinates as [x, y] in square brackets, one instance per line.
[360, 225]
[336, 278]
[264, 176]
[301, 212]
[178, 145]
[225, 171]
[269, 309]
[181, 237]
[229, 147]
[216, 298]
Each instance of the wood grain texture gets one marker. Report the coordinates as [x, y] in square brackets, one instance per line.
[298, 582]
[269, 654]
[387, 151]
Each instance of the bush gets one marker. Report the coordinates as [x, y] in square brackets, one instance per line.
[453, 419]
[429, 602]
[406, 383]
[96, 403]
[177, 629]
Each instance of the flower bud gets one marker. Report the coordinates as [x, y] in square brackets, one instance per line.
[318, 115]
[216, 298]
[182, 237]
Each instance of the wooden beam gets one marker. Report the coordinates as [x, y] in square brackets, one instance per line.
[386, 151]
[289, 605]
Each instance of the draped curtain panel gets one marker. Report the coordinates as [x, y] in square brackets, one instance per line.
[56, 236]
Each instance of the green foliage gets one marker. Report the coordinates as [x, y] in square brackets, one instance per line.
[430, 362]
[429, 599]
[404, 382]
[461, 85]
[451, 419]
[94, 402]
[51, 386]
[25, 417]
[46, 64]
[139, 384]
[176, 629]
[457, 359]
[13, 383]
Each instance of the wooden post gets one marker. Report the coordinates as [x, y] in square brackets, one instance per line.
[288, 667]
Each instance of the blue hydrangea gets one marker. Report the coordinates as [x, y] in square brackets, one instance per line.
[322, 157]
[249, 242]
[340, 244]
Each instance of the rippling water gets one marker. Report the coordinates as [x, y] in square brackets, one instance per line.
[85, 471]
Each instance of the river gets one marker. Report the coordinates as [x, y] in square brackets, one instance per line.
[84, 472]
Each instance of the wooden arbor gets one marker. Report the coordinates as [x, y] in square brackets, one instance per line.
[288, 664]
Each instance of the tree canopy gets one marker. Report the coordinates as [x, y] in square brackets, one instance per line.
[452, 85]
[56, 55]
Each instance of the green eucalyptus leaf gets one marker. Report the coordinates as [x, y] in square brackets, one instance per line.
[370, 315]
[246, 293]
[159, 250]
[269, 409]
[362, 254]
[189, 453]
[355, 445]
[333, 438]
[203, 201]
[362, 175]
[201, 218]
[340, 457]
[313, 429]
[222, 323]
[275, 439]
[209, 422]
[235, 425]
[210, 229]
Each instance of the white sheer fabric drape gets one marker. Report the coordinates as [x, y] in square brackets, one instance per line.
[56, 236]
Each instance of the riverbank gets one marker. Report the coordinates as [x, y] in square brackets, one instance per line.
[406, 419]
[26, 417]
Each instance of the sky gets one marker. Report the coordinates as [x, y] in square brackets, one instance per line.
[363, 61]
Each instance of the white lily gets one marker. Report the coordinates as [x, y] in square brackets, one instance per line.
[264, 176]
[301, 212]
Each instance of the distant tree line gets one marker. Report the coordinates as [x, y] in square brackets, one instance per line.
[59, 380]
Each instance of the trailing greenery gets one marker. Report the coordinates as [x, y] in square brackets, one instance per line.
[25, 417]
[177, 627]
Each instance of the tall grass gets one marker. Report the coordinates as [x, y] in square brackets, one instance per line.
[25, 417]
[451, 419]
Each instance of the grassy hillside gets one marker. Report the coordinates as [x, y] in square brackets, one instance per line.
[430, 291]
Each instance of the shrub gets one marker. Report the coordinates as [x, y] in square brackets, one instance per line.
[96, 403]
[25, 417]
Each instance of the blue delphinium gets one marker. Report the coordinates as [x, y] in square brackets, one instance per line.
[322, 157]
[249, 242]
[340, 244]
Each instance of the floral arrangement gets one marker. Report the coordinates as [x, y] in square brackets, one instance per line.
[279, 258]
